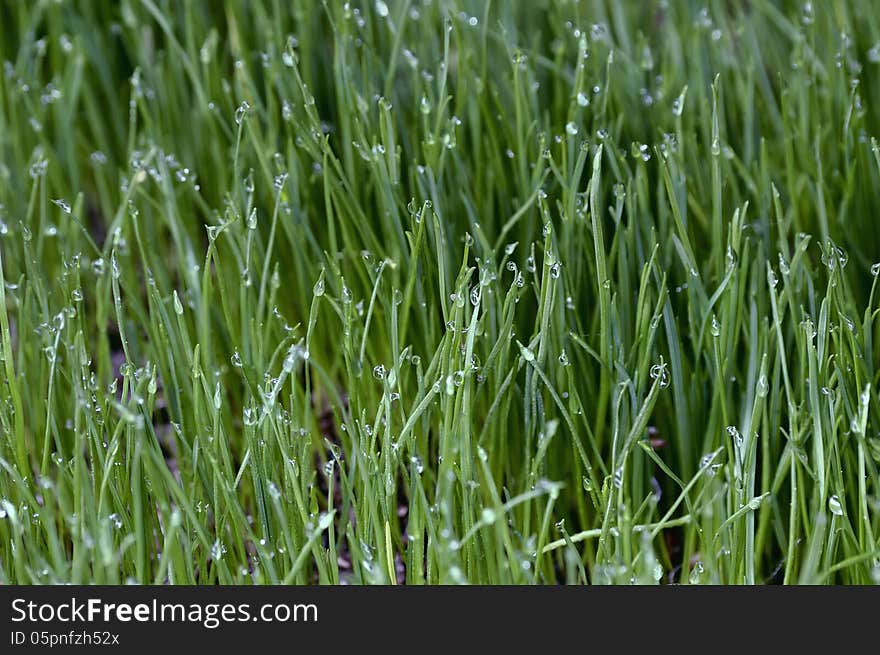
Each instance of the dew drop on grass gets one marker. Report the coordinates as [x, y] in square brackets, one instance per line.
[379, 372]
[834, 506]
[249, 416]
[381, 9]
[582, 99]
[658, 372]
[555, 269]
[235, 359]
[706, 463]
[875, 269]
[657, 571]
[762, 387]
[178, 306]
[488, 516]
[38, 168]
[571, 128]
[62, 204]
[715, 328]
[678, 106]
[241, 112]
[755, 503]
[563, 359]
[318, 289]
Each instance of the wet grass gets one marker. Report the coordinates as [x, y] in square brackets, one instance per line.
[439, 292]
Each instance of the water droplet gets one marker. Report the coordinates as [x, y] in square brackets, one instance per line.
[875, 269]
[658, 372]
[736, 436]
[62, 204]
[379, 372]
[755, 503]
[657, 571]
[241, 112]
[381, 9]
[295, 354]
[762, 387]
[583, 100]
[235, 359]
[178, 306]
[252, 219]
[715, 328]
[678, 105]
[571, 128]
[38, 168]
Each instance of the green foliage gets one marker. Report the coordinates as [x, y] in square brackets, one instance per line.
[439, 291]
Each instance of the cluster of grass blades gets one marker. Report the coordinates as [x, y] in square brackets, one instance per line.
[439, 291]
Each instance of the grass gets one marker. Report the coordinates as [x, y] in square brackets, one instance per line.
[439, 292]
